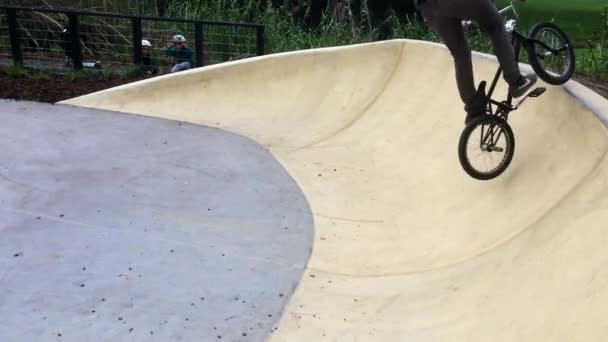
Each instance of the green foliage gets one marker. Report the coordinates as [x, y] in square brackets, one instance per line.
[288, 24]
[41, 75]
[580, 19]
[14, 71]
[283, 31]
[78, 75]
[593, 60]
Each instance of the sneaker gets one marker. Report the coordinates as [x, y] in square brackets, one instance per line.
[477, 105]
[523, 84]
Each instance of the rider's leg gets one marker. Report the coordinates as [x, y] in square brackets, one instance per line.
[451, 33]
[492, 22]
[485, 13]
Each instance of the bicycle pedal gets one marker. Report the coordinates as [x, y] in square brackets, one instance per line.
[537, 92]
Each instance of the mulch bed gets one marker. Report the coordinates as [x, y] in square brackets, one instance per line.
[600, 87]
[56, 87]
[59, 87]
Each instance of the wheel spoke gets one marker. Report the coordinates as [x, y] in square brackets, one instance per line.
[552, 59]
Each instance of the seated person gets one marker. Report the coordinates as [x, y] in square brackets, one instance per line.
[181, 52]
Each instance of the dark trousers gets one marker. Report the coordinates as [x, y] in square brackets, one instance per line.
[445, 18]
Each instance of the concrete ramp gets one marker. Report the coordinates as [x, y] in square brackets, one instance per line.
[408, 247]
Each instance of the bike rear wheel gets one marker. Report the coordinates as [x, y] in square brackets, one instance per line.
[554, 67]
[486, 147]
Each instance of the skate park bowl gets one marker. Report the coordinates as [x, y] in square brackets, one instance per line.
[330, 178]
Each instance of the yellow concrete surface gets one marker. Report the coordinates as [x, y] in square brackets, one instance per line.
[407, 246]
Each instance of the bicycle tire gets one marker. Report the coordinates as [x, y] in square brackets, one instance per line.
[536, 60]
[489, 120]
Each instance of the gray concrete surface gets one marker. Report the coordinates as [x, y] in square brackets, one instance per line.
[127, 228]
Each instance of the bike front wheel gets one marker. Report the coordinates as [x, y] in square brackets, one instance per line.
[551, 54]
[486, 147]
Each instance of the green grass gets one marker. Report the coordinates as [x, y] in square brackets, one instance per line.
[580, 19]
[584, 22]
[593, 62]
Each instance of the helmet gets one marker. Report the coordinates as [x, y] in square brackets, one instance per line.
[146, 43]
[179, 38]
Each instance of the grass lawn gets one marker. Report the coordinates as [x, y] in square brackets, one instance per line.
[580, 19]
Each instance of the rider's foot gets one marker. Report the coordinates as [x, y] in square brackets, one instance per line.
[477, 105]
[523, 84]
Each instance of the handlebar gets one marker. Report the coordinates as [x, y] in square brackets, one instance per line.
[511, 7]
[506, 9]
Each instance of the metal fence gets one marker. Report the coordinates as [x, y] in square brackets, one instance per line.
[60, 39]
[5, 44]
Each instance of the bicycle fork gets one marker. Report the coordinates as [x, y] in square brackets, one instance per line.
[490, 138]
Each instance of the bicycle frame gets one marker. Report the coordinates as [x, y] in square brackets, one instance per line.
[507, 106]
[518, 41]
[493, 124]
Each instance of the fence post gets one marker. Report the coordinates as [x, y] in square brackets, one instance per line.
[199, 42]
[13, 31]
[606, 17]
[260, 40]
[75, 35]
[137, 37]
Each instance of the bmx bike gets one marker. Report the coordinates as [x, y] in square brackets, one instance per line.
[489, 137]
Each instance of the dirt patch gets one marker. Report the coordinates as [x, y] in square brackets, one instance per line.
[600, 87]
[55, 87]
